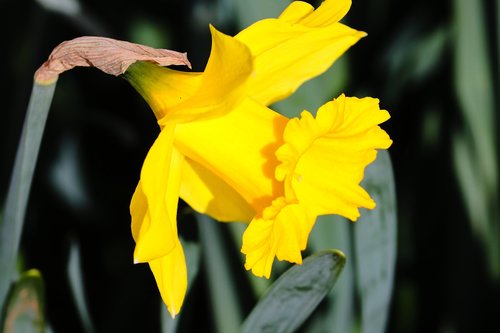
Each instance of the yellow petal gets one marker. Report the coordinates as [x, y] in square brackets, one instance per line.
[223, 84]
[171, 277]
[239, 149]
[296, 11]
[328, 13]
[138, 211]
[282, 231]
[183, 97]
[156, 234]
[323, 158]
[296, 47]
[162, 88]
[209, 194]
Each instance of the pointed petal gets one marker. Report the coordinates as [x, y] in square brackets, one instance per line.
[296, 11]
[223, 84]
[328, 13]
[296, 47]
[138, 211]
[160, 178]
[209, 194]
[170, 273]
[183, 97]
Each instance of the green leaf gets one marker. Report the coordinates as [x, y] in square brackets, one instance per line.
[24, 311]
[77, 286]
[474, 84]
[498, 42]
[413, 56]
[475, 153]
[333, 231]
[223, 292]
[375, 246]
[20, 183]
[295, 294]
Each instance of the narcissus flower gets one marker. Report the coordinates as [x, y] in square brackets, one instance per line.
[224, 152]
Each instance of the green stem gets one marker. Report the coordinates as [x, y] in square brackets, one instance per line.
[20, 183]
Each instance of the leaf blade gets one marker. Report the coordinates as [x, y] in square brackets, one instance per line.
[291, 299]
[334, 231]
[223, 293]
[20, 183]
[375, 241]
[24, 308]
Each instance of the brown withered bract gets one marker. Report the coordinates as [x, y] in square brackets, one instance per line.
[109, 55]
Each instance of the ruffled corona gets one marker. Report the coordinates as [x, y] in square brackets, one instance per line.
[322, 163]
[281, 231]
[323, 158]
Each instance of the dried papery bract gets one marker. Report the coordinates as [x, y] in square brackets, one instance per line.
[109, 55]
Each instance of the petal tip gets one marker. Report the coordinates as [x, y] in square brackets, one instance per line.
[173, 313]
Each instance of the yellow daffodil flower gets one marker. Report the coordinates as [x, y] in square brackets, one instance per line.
[224, 152]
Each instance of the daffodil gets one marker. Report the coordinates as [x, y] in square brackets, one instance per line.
[223, 151]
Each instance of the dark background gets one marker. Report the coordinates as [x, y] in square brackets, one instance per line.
[99, 131]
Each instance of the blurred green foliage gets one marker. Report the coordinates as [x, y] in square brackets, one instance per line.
[25, 305]
[475, 155]
[433, 64]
